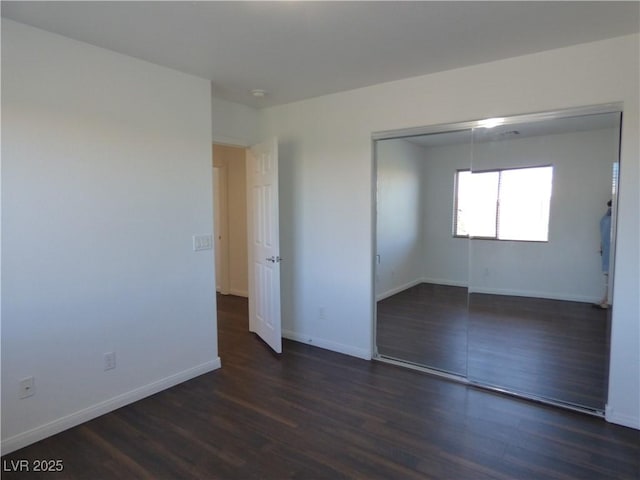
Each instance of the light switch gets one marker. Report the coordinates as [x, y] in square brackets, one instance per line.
[202, 242]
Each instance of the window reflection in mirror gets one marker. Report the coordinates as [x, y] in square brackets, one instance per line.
[508, 204]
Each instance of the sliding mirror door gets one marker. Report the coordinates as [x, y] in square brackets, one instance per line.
[421, 267]
[541, 236]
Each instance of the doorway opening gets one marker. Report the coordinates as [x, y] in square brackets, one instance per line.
[230, 220]
[247, 233]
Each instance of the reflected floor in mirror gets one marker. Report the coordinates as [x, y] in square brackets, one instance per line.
[547, 348]
[425, 325]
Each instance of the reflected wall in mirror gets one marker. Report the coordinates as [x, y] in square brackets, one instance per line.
[533, 328]
[488, 243]
[421, 274]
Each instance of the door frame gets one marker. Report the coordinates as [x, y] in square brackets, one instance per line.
[220, 199]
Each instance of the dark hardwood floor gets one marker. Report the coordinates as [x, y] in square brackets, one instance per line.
[311, 413]
[426, 325]
[551, 348]
[547, 348]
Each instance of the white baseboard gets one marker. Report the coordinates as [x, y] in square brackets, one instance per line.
[612, 416]
[491, 291]
[398, 289]
[418, 281]
[56, 426]
[532, 294]
[443, 281]
[328, 345]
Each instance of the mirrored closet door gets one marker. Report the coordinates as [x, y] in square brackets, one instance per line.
[493, 242]
[421, 270]
[543, 190]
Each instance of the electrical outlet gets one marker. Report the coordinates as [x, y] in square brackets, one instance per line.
[109, 361]
[27, 387]
[321, 313]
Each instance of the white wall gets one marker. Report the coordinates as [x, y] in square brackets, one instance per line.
[567, 267]
[233, 123]
[446, 259]
[106, 177]
[399, 216]
[326, 186]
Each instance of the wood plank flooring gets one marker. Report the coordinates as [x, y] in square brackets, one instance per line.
[426, 325]
[311, 413]
[549, 348]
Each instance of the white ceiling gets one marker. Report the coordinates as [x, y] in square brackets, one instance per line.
[296, 50]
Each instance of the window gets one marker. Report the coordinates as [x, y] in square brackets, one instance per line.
[511, 204]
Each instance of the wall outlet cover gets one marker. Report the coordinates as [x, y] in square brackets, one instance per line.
[27, 387]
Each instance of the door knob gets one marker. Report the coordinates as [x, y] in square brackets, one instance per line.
[273, 259]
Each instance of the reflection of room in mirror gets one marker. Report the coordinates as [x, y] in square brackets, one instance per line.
[512, 220]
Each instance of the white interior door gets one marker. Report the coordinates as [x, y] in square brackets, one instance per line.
[264, 243]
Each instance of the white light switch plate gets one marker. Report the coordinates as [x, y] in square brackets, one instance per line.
[202, 242]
